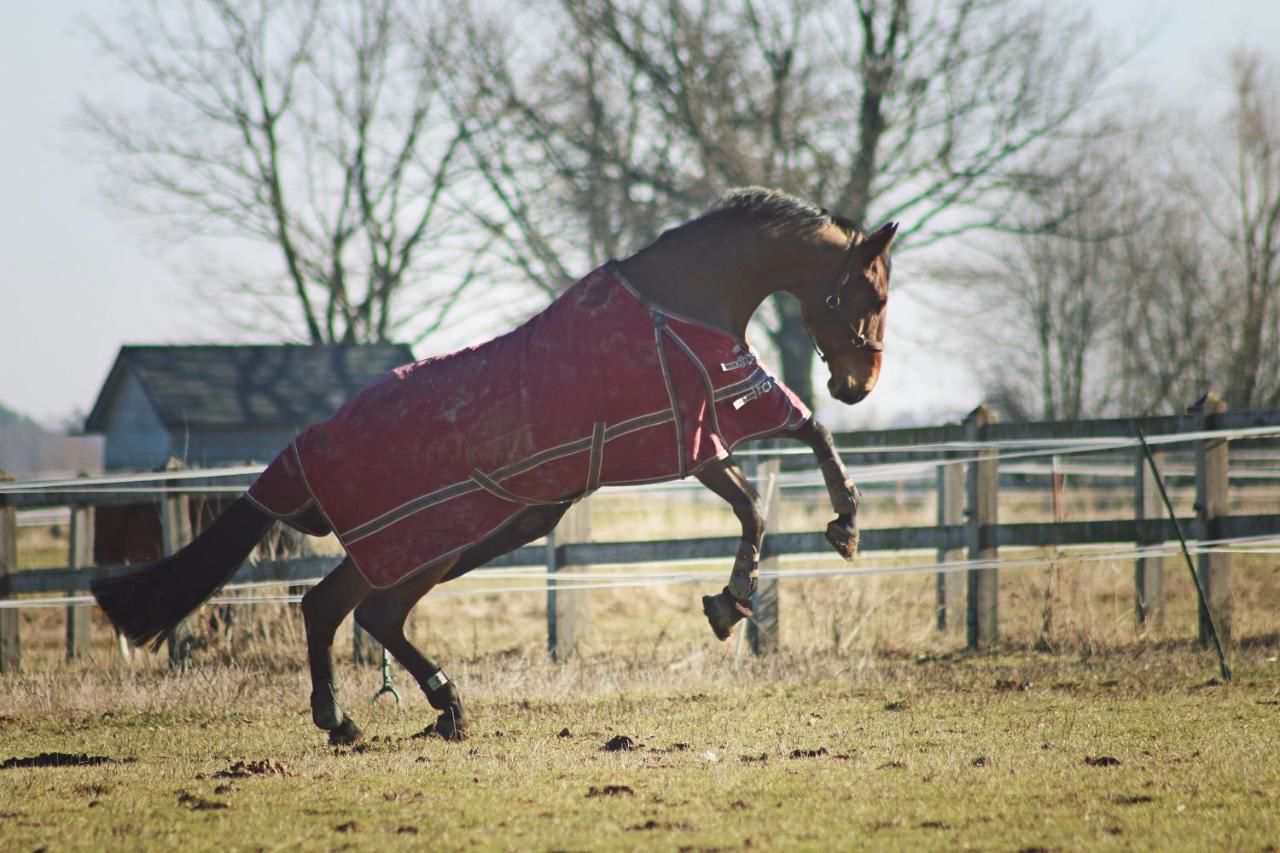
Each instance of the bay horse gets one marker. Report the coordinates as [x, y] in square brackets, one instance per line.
[640, 372]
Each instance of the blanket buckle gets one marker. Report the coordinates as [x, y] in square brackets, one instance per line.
[758, 391]
[744, 360]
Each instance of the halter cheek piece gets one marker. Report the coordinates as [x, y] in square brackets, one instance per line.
[859, 340]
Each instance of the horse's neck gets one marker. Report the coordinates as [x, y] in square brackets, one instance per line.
[715, 279]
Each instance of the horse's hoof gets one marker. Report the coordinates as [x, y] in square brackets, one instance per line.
[722, 613]
[346, 733]
[451, 727]
[843, 538]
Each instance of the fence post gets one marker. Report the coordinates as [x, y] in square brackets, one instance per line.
[1148, 572]
[1213, 504]
[950, 585]
[78, 615]
[10, 641]
[763, 630]
[175, 532]
[984, 483]
[568, 610]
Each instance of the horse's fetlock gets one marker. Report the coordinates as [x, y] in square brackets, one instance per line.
[746, 571]
[326, 713]
[442, 694]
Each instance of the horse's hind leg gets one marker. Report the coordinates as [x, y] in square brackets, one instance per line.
[383, 613]
[323, 608]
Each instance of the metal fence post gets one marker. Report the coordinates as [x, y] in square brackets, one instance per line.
[983, 584]
[10, 640]
[1148, 572]
[1213, 505]
[568, 610]
[764, 627]
[175, 532]
[81, 554]
[950, 585]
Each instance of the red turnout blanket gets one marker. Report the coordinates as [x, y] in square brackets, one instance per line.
[598, 389]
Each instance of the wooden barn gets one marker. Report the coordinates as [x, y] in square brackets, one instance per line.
[224, 405]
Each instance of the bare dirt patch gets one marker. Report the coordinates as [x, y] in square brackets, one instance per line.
[60, 759]
[611, 791]
[199, 804]
[246, 769]
[621, 743]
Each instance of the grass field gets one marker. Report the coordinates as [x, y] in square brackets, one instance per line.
[1133, 748]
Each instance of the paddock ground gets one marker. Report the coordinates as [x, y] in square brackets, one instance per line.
[868, 730]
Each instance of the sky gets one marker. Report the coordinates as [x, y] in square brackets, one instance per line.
[80, 278]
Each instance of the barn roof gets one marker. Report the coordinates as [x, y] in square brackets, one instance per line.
[246, 386]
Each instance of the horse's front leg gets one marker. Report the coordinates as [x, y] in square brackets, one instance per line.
[842, 532]
[323, 608]
[733, 603]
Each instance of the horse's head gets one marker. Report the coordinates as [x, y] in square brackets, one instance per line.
[846, 315]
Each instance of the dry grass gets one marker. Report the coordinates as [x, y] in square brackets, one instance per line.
[1132, 747]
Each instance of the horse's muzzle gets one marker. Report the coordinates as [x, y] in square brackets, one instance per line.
[846, 392]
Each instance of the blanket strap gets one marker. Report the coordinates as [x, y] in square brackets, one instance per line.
[595, 461]
[659, 327]
[496, 489]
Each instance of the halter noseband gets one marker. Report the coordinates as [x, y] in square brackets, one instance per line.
[859, 339]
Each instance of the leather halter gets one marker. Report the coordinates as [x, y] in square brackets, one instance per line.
[859, 340]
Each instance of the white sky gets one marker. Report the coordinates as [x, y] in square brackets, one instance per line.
[79, 278]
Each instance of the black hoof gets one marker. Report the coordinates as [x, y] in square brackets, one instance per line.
[843, 536]
[723, 612]
[347, 733]
[451, 726]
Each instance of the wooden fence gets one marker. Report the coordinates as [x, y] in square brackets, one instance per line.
[967, 522]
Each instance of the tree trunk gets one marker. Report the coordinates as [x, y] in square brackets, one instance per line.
[795, 348]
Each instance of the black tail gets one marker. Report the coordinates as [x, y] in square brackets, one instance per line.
[148, 602]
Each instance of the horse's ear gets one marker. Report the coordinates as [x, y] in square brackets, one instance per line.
[877, 243]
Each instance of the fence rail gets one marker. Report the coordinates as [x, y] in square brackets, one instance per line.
[967, 457]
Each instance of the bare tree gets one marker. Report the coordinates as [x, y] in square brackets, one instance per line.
[1163, 347]
[1242, 205]
[1049, 298]
[1201, 266]
[935, 113]
[314, 127]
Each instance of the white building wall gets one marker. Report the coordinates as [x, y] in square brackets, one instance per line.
[135, 437]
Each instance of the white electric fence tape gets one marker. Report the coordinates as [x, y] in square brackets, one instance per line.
[536, 577]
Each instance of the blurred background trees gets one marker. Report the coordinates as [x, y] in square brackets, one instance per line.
[403, 161]
[1159, 278]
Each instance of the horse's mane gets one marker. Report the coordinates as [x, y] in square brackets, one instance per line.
[779, 210]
